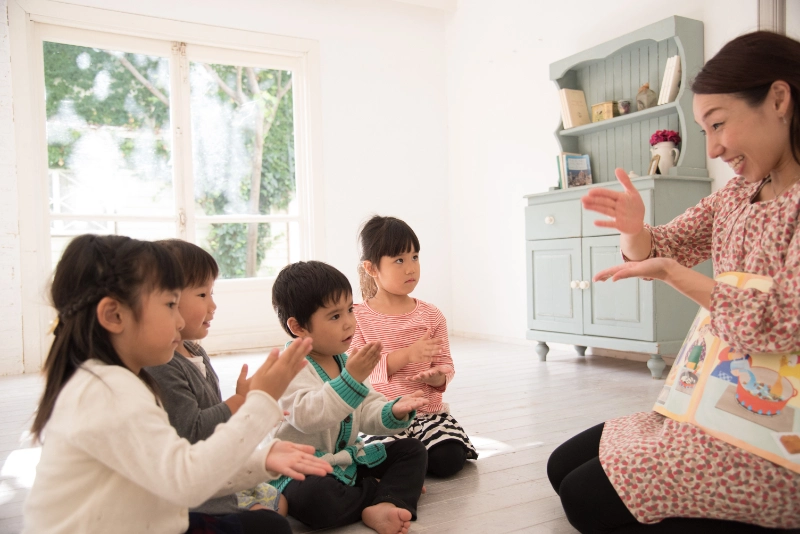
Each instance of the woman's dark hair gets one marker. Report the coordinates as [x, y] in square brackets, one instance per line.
[748, 66]
[379, 237]
[198, 265]
[304, 287]
[91, 268]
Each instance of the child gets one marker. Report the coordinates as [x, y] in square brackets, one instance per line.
[330, 402]
[188, 385]
[416, 353]
[110, 460]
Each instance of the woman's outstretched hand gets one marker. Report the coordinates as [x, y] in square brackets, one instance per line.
[625, 208]
[651, 269]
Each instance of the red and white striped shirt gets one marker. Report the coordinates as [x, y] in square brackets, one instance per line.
[398, 332]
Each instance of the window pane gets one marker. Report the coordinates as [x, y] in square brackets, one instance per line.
[277, 244]
[108, 132]
[242, 140]
[62, 232]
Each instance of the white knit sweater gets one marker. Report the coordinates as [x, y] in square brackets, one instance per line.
[111, 462]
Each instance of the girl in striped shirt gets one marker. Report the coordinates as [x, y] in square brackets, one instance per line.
[416, 352]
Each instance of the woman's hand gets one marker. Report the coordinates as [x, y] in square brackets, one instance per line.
[295, 461]
[652, 269]
[435, 376]
[408, 403]
[625, 208]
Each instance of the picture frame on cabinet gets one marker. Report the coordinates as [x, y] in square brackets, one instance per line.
[653, 168]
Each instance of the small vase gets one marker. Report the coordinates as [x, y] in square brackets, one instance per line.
[668, 155]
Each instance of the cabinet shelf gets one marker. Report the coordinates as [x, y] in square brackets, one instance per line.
[636, 116]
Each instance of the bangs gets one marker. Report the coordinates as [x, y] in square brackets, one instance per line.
[394, 239]
[159, 270]
[198, 266]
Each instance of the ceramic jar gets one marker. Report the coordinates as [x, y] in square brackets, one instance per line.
[668, 155]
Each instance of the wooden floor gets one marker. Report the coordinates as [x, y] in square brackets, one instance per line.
[515, 408]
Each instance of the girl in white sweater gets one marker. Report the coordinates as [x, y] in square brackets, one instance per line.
[110, 460]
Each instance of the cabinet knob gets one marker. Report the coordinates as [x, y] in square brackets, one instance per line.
[549, 219]
[574, 284]
[583, 284]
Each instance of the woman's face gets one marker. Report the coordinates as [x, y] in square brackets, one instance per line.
[753, 141]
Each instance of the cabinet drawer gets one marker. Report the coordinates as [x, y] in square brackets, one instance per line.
[554, 220]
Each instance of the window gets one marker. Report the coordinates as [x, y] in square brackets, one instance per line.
[110, 149]
[165, 129]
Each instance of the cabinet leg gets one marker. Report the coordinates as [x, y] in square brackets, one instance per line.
[542, 349]
[581, 350]
[656, 365]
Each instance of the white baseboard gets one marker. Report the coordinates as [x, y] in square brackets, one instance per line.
[623, 355]
[488, 337]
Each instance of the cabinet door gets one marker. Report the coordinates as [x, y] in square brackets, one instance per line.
[621, 309]
[552, 303]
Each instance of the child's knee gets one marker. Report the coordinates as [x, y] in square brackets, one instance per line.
[447, 458]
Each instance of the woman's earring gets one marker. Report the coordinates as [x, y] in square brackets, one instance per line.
[784, 119]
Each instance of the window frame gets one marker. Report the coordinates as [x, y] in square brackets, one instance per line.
[30, 20]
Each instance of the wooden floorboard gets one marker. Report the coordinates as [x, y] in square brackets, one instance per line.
[516, 409]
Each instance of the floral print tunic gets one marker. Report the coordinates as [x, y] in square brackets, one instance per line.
[662, 468]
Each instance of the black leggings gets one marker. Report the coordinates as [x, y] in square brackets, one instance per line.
[446, 458]
[591, 503]
[245, 522]
[324, 502]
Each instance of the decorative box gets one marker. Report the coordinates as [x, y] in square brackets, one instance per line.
[604, 110]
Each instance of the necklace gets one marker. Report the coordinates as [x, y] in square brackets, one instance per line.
[785, 188]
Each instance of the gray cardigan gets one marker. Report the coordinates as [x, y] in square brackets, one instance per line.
[195, 408]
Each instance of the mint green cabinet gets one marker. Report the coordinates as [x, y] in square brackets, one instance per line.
[565, 249]
[564, 252]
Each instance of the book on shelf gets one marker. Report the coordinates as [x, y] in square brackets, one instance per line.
[574, 111]
[749, 400]
[562, 169]
[577, 170]
[671, 82]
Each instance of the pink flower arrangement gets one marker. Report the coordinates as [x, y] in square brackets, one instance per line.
[664, 135]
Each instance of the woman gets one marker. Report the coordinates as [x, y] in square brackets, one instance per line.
[647, 473]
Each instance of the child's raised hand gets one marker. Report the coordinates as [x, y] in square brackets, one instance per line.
[275, 374]
[296, 461]
[425, 348]
[361, 364]
[436, 376]
[408, 403]
[242, 383]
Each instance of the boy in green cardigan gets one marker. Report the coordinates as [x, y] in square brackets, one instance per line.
[330, 401]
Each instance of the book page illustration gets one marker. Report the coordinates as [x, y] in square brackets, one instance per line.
[748, 400]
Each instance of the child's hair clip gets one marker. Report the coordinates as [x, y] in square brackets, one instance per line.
[53, 326]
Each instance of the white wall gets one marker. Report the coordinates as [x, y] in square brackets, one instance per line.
[383, 95]
[502, 112]
[10, 288]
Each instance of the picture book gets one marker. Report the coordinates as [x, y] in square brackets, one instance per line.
[574, 111]
[748, 400]
[562, 169]
[577, 170]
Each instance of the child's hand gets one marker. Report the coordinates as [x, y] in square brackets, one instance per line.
[295, 460]
[242, 383]
[425, 348]
[275, 374]
[408, 403]
[436, 376]
[361, 364]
